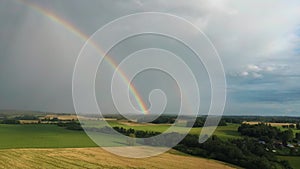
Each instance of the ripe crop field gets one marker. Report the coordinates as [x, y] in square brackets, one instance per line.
[98, 158]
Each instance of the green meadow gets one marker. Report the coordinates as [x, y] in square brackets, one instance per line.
[224, 132]
[41, 136]
[52, 136]
[293, 160]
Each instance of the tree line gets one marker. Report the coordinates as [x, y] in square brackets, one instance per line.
[266, 133]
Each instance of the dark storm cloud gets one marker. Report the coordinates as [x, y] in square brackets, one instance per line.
[259, 47]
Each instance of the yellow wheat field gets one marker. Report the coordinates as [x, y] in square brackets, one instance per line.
[97, 158]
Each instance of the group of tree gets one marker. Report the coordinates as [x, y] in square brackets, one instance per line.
[138, 133]
[200, 121]
[244, 152]
[266, 133]
[164, 119]
[291, 126]
[269, 119]
[16, 119]
[72, 125]
[298, 126]
[26, 117]
[10, 121]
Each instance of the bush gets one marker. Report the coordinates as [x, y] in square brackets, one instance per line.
[260, 131]
[26, 117]
[70, 125]
[10, 121]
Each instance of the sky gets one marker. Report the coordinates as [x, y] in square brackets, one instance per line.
[258, 43]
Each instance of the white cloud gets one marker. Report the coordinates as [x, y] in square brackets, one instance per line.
[254, 68]
[258, 71]
[244, 74]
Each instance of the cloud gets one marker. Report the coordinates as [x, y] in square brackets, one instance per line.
[254, 68]
[258, 42]
[258, 71]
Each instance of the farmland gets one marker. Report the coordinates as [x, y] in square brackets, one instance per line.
[49, 136]
[224, 132]
[272, 124]
[52, 136]
[41, 136]
[49, 146]
[98, 158]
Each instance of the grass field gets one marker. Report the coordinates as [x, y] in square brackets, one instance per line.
[41, 136]
[52, 136]
[224, 132]
[294, 161]
[98, 158]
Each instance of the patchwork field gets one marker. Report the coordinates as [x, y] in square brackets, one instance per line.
[98, 158]
[46, 145]
[50, 146]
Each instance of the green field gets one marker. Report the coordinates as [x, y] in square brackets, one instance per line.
[294, 130]
[52, 136]
[224, 132]
[228, 132]
[294, 161]
[41, 136]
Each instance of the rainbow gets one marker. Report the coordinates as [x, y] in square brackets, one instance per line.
[70, 27]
